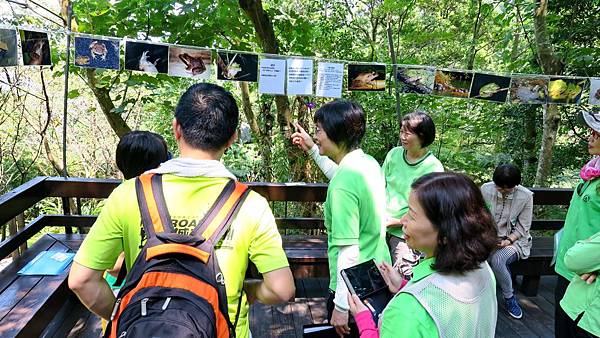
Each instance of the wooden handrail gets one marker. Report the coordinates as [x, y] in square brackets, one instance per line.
[27, 195]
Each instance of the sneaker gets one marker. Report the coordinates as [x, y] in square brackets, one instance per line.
[513, 307]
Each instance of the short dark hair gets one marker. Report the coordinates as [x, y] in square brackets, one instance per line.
[139, 151]
[208, 116]
[343, 121]
[421, 124]
[466, 230]
[507, 176]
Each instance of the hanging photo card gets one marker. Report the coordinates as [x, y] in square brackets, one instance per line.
[190, 62]
[452, 83]
[146, 57]
[237, 66]
[8, 47]
[272, 76]
[418, 80]
[299, 76]
[330, 79]
[97, 53]
[529, 89]
[594, 91]
[35, 47]
[563, 90]
[368, 77]
[490, 87]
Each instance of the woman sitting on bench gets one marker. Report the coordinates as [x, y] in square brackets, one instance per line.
[511, 204]
[452, 292]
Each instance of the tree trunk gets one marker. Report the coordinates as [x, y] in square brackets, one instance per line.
[266, 36]
[529, 141]
[118, 125]
[551, 66]
[551, 121]
[394, 69]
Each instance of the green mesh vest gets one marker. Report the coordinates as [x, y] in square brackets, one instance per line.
[460, 305]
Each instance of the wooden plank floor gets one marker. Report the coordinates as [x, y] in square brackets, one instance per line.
[286, 320]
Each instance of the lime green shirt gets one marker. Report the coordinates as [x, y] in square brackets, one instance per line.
[581, 297]
[399, 175]
[354, 211]
[404, 316]
[582, 221]
[253, 234]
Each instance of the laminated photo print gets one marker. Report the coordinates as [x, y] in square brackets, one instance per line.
[190, 62]
[563, 90]
[529, 89]
[233, 66]
[490, 87]
[146, 57]
[366, 77]
[452, 83]
[8, 48]
[35, 48]
[97, 53]
[417, 80]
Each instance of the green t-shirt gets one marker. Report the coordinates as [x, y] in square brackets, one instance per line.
[399, 175]
[580, 296]
[253, 234]
[582, 221]
[404, 316]
[354, 211]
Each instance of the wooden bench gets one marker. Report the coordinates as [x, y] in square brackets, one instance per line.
[33, 305]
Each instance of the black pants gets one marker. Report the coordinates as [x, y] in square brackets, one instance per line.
[564, 326]
[351, 323]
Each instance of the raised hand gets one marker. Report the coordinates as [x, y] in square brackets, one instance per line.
[301, 138]
[392, 277]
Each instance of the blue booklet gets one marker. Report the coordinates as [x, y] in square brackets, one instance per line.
[48, 263]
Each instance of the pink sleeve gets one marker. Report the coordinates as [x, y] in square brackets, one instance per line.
[366, 325]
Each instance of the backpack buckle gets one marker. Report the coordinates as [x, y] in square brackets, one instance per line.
[220, 279]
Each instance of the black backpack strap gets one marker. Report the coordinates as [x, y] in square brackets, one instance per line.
[121, 275]
[152, 204]
[217, 220]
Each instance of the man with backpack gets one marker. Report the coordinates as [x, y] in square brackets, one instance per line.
[176, 283]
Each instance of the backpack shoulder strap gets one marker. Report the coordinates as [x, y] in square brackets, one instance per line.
[217, 220]
[152, 204]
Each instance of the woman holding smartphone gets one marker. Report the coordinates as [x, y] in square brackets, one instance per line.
[453, 291]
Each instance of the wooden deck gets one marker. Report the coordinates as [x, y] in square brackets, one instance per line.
[286, 320]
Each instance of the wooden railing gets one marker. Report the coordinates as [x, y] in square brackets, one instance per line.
[27, 195]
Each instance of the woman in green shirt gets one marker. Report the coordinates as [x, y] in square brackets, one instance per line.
[402, 165]
[582, 221]
[354, 209]
[452, 292]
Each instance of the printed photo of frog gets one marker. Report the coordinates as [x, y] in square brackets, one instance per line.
[366, 77]
[97, 53]
[565, 90]
[146, 57]
[529, 89]
[35, 47]
[189, 62]
[8, 48]
[490, 87]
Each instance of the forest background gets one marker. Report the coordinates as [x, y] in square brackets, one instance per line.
[513, 36]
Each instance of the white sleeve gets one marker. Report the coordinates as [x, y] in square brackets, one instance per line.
[347, 257]
[327, 165]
